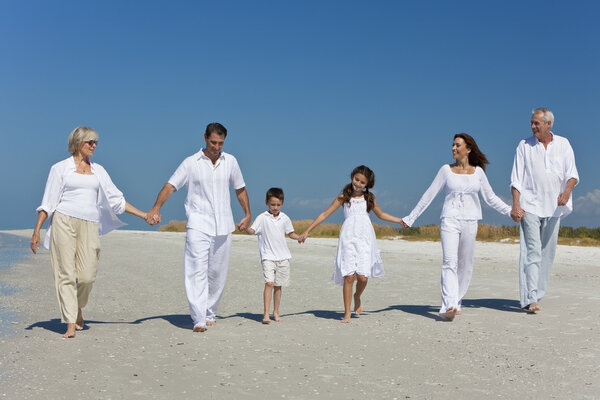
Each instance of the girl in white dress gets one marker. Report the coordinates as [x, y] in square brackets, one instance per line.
[461, 181]
[357, 256]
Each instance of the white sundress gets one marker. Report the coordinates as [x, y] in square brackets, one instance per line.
[357, 249]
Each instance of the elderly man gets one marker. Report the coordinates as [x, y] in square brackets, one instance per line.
[207, 176]
[542, 179]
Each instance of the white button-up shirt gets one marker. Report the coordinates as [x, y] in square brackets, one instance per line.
[110, 199]
[540, 174]
[271, 233]
[208, 203]
[462, 200]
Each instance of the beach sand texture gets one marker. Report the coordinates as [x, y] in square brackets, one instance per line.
[139, 341]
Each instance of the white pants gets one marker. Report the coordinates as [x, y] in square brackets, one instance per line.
[206, 261]
[458, 245]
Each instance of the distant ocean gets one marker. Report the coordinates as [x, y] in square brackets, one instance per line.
[13, 249]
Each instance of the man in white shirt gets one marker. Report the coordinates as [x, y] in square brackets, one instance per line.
[207, 176]
[543, 177]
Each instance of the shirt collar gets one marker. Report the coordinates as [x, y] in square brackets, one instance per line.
[200, 155]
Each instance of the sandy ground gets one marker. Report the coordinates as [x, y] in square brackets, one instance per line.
[139, 342]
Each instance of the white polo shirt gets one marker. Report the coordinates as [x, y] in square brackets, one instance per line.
[271, 233]
[208, 204]
[540, 174]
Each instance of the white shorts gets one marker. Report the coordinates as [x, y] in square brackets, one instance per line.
[277, 272]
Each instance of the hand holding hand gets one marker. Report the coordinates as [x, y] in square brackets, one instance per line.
[517, 213]
[302, 237]
[153, 216]
[403, 224]
[244, 223]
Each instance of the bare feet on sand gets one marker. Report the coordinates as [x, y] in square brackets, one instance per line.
[266, 319]
[70, 333]
[458, 312]
[79, 324]
[346, 319]
[277, 318]
[357, 305]
[449, 314]
[200, 328]
[533, 308]
[211, 323]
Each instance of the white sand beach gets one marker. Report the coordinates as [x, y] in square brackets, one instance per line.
[139, 341]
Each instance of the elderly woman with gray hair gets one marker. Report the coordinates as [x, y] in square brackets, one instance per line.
[82, 202]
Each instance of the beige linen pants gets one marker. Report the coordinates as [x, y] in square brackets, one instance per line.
[74, 254]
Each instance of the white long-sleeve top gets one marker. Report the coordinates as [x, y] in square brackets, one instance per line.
[462, 200]
[540, 175]
[110, 200]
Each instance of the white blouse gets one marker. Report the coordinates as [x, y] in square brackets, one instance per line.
[110, 200]
[462, 201]
[80, 197]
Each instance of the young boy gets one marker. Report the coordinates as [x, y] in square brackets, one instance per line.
[271, 227]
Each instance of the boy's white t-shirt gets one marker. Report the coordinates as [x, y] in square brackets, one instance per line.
[271, 233]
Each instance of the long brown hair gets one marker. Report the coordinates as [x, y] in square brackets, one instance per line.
[476, 157]
[369, 197]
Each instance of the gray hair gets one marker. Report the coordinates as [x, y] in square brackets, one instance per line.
[80, 135]
[548, 116]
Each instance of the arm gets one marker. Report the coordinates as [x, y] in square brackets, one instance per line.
[322, 217]
[293, 236]
[153, 215]
[134, 211]
[433, 190]
[563, 198]
[35, 238]
[385, 216]
[242, 196]
[490, 197]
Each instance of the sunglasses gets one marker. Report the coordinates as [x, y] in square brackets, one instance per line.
[92, 142]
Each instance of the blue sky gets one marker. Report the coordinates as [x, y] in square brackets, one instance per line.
[307, 90]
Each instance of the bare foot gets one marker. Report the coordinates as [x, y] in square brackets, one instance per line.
[458, 312]
[200, 328]
[357, 305]
[70, 333]
[277, 317]
[346, 319]
[211, 323]
[449, 314]
[266, 319]
[79, 324]
[533, 308]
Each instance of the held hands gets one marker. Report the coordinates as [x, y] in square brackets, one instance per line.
[517, 213]
[403, 224]
[244, 223]
[153, 216]
[302, 237]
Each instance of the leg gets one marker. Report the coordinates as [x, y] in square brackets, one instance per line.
[218, 263]
[347, 294]
[87, 256]
[450, 235]
[466, 253]
[276, 301]
[549, 237]
[361, 284]
[63, 244]
[267, 294]
[530, 260]
[197, 245]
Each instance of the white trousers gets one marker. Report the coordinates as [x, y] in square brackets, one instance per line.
[205, 266]
[458, 245]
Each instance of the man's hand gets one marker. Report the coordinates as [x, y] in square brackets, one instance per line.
[153, 216]
[517, 213]
[563, 198]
